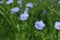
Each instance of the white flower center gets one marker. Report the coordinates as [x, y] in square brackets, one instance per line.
[59, 25]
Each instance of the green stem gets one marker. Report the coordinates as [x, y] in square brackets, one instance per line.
[59, 35]
[5, 17]
[51, 27]
[43, 36]
[8, 16]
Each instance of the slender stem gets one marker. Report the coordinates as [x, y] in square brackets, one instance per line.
[5, 17]
[43, 36]
[59, 35]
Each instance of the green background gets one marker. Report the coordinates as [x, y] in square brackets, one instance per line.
[12, 28]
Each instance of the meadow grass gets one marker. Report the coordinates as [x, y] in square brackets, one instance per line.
[12, 28]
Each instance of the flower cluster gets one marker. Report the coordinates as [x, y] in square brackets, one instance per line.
[24, 16]
[40, 25]
[20, 1]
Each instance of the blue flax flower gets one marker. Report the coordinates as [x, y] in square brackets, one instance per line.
[59, 2]
[24, 16]
[15, 10]
[29, 5]
[57, 25]
[39, 25]
[26, 10]
[9, 2]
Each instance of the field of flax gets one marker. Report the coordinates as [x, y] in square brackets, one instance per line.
[12, 28]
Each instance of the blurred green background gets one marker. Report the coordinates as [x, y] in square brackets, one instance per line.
[12, 28]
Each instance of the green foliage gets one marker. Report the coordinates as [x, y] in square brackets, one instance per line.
[12, 28]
